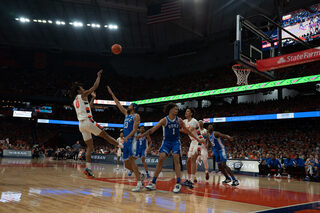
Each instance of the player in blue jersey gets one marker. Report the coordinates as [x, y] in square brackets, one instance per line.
[130, 127]
[171, 143]
[220, 153]
[143, 148]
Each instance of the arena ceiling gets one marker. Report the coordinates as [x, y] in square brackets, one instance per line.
[202, 21]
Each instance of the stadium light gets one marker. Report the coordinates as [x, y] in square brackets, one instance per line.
[40, 21]
[23, 19]
[113, 26]
[35, 20]
[44, 21]
[94, 25]
[49, 21]
[76, 24]
[106, 26]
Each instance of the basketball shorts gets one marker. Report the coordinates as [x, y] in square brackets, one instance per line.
[170, 146]
[141, 151]
[88, 127]
[204, 153]
[193, 149]
[221, 155]
[129, 149]
[119, 152]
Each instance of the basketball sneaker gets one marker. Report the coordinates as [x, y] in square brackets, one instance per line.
[88, 173]
[235, 183]
[226, 181]
[207, 176]
[188, 183]
[129, 173]
[151, 186]
[177, 188]
[138, 188]
[195, 180]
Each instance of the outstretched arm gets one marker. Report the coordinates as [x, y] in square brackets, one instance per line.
[120, 107]
[162, 122]
[149, 144]
[135, 127]
[93, 96]
[94, 87]
[188, 131]
[220, 135]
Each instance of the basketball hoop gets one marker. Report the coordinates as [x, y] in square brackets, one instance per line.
[242, 74]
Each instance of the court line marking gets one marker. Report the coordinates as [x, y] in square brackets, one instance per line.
[286, 206]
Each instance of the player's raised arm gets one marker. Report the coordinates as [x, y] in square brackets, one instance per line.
[93, 96]
[220, 135]
[188, 131]
[120, 107]
[162, 122]
[94, 87]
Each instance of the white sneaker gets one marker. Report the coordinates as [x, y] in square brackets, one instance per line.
[151, 186]
[289, 176]
[274, 175]
[138, 188]
[269, 175]
[177, 188]
[278, 175]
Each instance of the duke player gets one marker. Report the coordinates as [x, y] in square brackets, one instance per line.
[220, 153]
[130, 127]
[143, 148]
[87, 125]
[171, 143]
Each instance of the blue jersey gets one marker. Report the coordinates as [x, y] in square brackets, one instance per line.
[217, 144]
[142, 143]
[128, 124]
[171, 130]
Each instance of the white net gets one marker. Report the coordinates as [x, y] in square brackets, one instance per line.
[242, 74]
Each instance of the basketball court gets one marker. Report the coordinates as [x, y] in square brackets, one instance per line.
[60, 186]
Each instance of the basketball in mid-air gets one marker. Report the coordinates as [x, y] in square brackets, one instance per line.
[116, 49]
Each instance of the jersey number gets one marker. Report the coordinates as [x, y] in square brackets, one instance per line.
[77, 104]
[126, 124]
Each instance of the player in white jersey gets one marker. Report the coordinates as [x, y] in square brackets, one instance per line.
[87, 125]
[204, 150]
[120, 140]
[193, 125]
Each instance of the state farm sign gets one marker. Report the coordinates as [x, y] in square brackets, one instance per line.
[302, 57]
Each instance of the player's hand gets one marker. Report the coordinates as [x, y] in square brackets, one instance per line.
[231, 139]
[99, 73]
[125, 139]
[202, 140]
[93, 95]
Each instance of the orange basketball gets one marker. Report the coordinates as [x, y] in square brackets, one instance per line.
[116, 49]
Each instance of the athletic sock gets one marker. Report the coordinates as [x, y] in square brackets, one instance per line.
[227, 177]
[178, 180]
[147, 172]
[154, 180]
[233, 178]
[88, 165]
